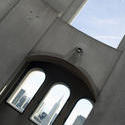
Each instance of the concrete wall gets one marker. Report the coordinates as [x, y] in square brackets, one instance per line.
[73, 10]
[59, 5]
[6, 6]
[110, 106]
[97, 59]
[30, 27]
[66, 8]
[20, 31]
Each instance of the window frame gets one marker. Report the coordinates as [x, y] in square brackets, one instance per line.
[10, 98]
[36, 63]
[54, 85]
[76, 105]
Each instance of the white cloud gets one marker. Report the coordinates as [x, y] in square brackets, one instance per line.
[109, 37]
[106, 21]
[122, 0]
[112, 41]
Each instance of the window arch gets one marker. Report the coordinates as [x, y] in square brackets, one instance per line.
[51, 105]
[57, 76]
[26, 89]
[79, 113]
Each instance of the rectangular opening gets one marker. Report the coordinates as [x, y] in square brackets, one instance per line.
[102, 20]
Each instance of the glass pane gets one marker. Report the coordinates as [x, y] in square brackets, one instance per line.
[80, 113]
[26, 90]
[51, 105]
[103, 20]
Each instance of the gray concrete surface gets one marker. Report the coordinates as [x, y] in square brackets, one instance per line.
[19, 32]
[73, 10]
[110, 106]
[59, 5]
[6, 6]
[98, 59]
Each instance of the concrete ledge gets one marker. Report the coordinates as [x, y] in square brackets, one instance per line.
[6, 6]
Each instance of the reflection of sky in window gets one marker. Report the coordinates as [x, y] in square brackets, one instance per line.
[33, 82]
[103, 20]
[27, 88]
[83, 108]
[55, 94]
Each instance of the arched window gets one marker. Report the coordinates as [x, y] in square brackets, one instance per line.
[79, 113]
[26, 90]
[51, 105]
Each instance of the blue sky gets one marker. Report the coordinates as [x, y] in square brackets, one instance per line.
[103, 20]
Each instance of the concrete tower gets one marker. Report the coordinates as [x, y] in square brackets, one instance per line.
[38, 31]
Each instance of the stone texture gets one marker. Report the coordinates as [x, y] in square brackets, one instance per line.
[6, 6]
[19, 32]
[98, 59]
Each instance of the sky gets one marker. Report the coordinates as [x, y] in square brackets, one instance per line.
[102, 19]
